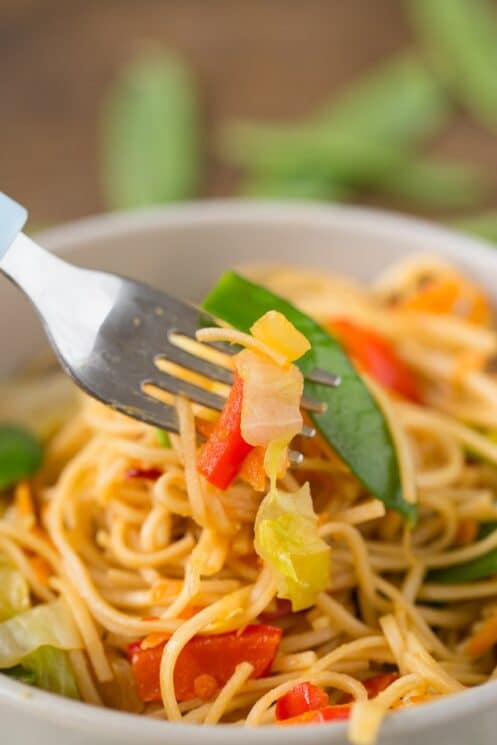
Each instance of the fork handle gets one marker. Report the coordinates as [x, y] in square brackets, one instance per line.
[12, 220]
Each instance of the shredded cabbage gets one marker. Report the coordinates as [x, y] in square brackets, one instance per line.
[50, 624]
[47, 668]
[286, 537]
[271, 399]
[14, 592]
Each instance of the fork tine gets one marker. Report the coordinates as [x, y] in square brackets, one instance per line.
[323, 378]
[196, 364]
[150, 411]
[179, 387]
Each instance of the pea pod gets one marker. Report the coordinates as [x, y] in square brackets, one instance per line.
[461, 39]
[399, 102]
[349, 160]
[150, 138]
[20, 455]
[353, 424]
[469, 571]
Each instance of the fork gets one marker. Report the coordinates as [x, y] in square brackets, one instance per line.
[104, 329]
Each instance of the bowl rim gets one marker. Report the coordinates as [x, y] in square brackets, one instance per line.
[72, 235]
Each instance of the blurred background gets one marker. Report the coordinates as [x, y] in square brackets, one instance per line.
[108, 104]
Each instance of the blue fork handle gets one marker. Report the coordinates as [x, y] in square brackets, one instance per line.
[12, 220]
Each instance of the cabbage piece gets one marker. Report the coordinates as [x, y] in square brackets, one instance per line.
[275, 330]
[14, 592]
[50, 624]
[271, 399]
[286, 537]
[48, 668]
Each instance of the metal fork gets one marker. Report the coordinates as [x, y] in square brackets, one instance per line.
[111, 333]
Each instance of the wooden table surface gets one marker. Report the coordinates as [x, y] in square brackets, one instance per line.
[259, 58]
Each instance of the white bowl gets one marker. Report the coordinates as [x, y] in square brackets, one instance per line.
[183, 249]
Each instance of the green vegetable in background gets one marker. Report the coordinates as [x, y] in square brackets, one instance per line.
[150, 135]
[484, 225]
[469, 571]
[264, 186]
[435, 184]
[353, 424]
[20, 454]
[461, 39]
[399, 102]
[361, 140]
[347, 160]
[47, 668]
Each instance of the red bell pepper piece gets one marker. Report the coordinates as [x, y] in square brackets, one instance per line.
[151, 474]
[279, 608]
[216, 656]
[336, 713]
[303, 697]
[376, 356]
[221, 458]
[378, 683]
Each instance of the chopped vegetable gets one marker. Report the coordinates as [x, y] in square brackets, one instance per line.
[148, 474]
[278, 333]
[303, 697]
[271, 399]
[14, 592]
[484, 638]
[252, 470]
[286, 537]
[216, 656]
[326, 714]
[479, 568]
[221, 458]
[353, 424]
[449, 295]
[150, 137]
[279, 608]
[47, 668]
[163, 438]
[460, 37]
[49, 624]
[20, 455]
[375, 355]
[378, 683]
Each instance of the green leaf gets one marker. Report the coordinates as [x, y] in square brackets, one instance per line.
[20, 455]
[353, 424]
[461, 39]
[49, 669]
[163, 438]
[150, 134]
[469, 571]
[484, 225]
